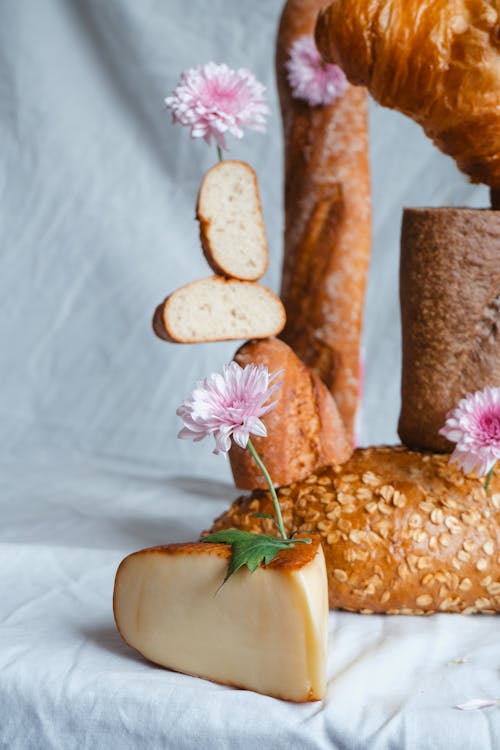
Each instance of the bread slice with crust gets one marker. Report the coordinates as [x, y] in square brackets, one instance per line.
[232, 229]
[217, 309]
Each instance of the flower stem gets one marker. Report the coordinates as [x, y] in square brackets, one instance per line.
[489, 477]
[219, 153]
[268, 479]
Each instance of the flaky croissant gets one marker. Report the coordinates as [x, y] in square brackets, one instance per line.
[437, 61]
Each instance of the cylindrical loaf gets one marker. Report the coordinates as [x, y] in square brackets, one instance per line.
[402, 532]
[327, 222]
[305, 430]
[450, 314]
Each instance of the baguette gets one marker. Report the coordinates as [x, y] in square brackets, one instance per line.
[327, 223]
[232, 229]
[450, 315]
[402, 532]
[305, 429]
[217, 309]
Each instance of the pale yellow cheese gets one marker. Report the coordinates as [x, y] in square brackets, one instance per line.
[264, 631]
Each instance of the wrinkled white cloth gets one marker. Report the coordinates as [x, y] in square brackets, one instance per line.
[97, 193]
[67, 680]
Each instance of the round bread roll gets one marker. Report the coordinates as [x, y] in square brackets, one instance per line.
[402, 532]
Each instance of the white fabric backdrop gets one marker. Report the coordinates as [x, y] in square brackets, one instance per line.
[97, 226]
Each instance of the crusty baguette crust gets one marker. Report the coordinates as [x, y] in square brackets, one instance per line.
[328, 223]
[163, 328]
[159, 324]
[450, 315]
[403, 532]
[305, 430]
[205, 221]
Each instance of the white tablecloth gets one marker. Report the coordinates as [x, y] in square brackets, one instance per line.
[96, 217]
[68, 681]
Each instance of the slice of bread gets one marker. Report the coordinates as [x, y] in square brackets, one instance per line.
[217, 309]
[231, 225]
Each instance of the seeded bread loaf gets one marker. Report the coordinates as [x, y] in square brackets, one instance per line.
[403, 532]
[450, 315]
[327, 222]
[217, 309]
[305, 428]
[232, 229]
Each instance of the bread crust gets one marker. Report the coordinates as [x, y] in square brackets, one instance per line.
[328, 223]
[305, 430]
[436, 61]
[163, 327]
[450, 315]
[402, 532]
[205, 222]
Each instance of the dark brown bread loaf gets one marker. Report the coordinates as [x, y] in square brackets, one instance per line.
[327, 222]
[402, 532]
[450, 310]
[305, 429]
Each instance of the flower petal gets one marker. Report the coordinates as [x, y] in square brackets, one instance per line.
[241, 436]
[474, 426]
[256, 427]
[187, 434]
[478, 703]
[229, 404]
[310, 78]
[222, 442]
[213, 99]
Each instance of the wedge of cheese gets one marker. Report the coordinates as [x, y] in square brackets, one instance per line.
[264, 631]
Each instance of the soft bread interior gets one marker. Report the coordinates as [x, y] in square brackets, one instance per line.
[232, 228]
[216, 309]
[265, 631]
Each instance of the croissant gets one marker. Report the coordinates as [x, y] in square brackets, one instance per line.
[437, 61]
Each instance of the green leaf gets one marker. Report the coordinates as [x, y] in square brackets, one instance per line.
[248, 549]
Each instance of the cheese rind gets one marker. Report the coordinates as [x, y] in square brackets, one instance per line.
[265, 631]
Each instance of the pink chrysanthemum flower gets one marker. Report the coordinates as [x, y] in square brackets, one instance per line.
[310, 78]
[214, 100]
[474, 425]
[229, 404]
